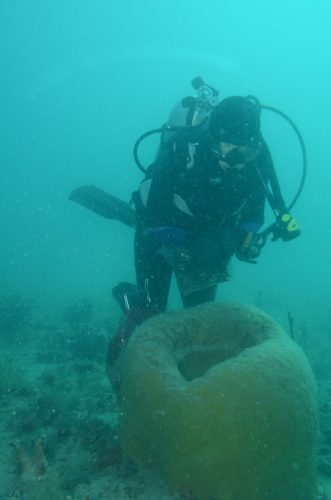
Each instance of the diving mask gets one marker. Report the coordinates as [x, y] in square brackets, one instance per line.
[233, 155]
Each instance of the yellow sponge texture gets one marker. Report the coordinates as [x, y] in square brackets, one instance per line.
[222, 403]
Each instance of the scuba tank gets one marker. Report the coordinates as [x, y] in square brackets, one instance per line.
[191, 111]
[190, 115]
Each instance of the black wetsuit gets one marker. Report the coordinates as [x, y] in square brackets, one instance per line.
[192, 216]
[188, 200]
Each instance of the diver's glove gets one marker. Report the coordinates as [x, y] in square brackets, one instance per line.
[251, 247]
[286, 228]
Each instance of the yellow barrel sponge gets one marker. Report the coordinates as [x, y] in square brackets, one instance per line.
[222, 403]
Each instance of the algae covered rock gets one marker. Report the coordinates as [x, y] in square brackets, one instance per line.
[222, 403]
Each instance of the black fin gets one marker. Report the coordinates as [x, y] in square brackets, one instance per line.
[104, 204]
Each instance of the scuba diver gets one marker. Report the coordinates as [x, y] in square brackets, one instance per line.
[200, 203]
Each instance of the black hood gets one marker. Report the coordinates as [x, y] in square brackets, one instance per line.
[236, 120]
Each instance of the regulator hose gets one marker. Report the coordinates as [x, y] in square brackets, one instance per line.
[303, 151]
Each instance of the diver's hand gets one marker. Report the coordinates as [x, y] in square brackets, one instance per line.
[251, 248]
[286, 228]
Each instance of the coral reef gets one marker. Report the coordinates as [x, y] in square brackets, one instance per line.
[78, 314]
[324, 456]
[35, 479]
[88, 344]
[11, 376]
[49, 387]
[15, 313]
[222, 403]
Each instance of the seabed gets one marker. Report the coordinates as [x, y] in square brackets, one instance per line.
[59, 417]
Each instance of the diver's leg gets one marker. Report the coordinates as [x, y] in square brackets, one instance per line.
[152, 270]
[213, 252]
[200, 296]
[147, 299]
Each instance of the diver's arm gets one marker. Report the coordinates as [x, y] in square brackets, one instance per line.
[251, 218]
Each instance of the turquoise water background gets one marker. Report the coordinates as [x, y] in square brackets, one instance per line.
[81, 80]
